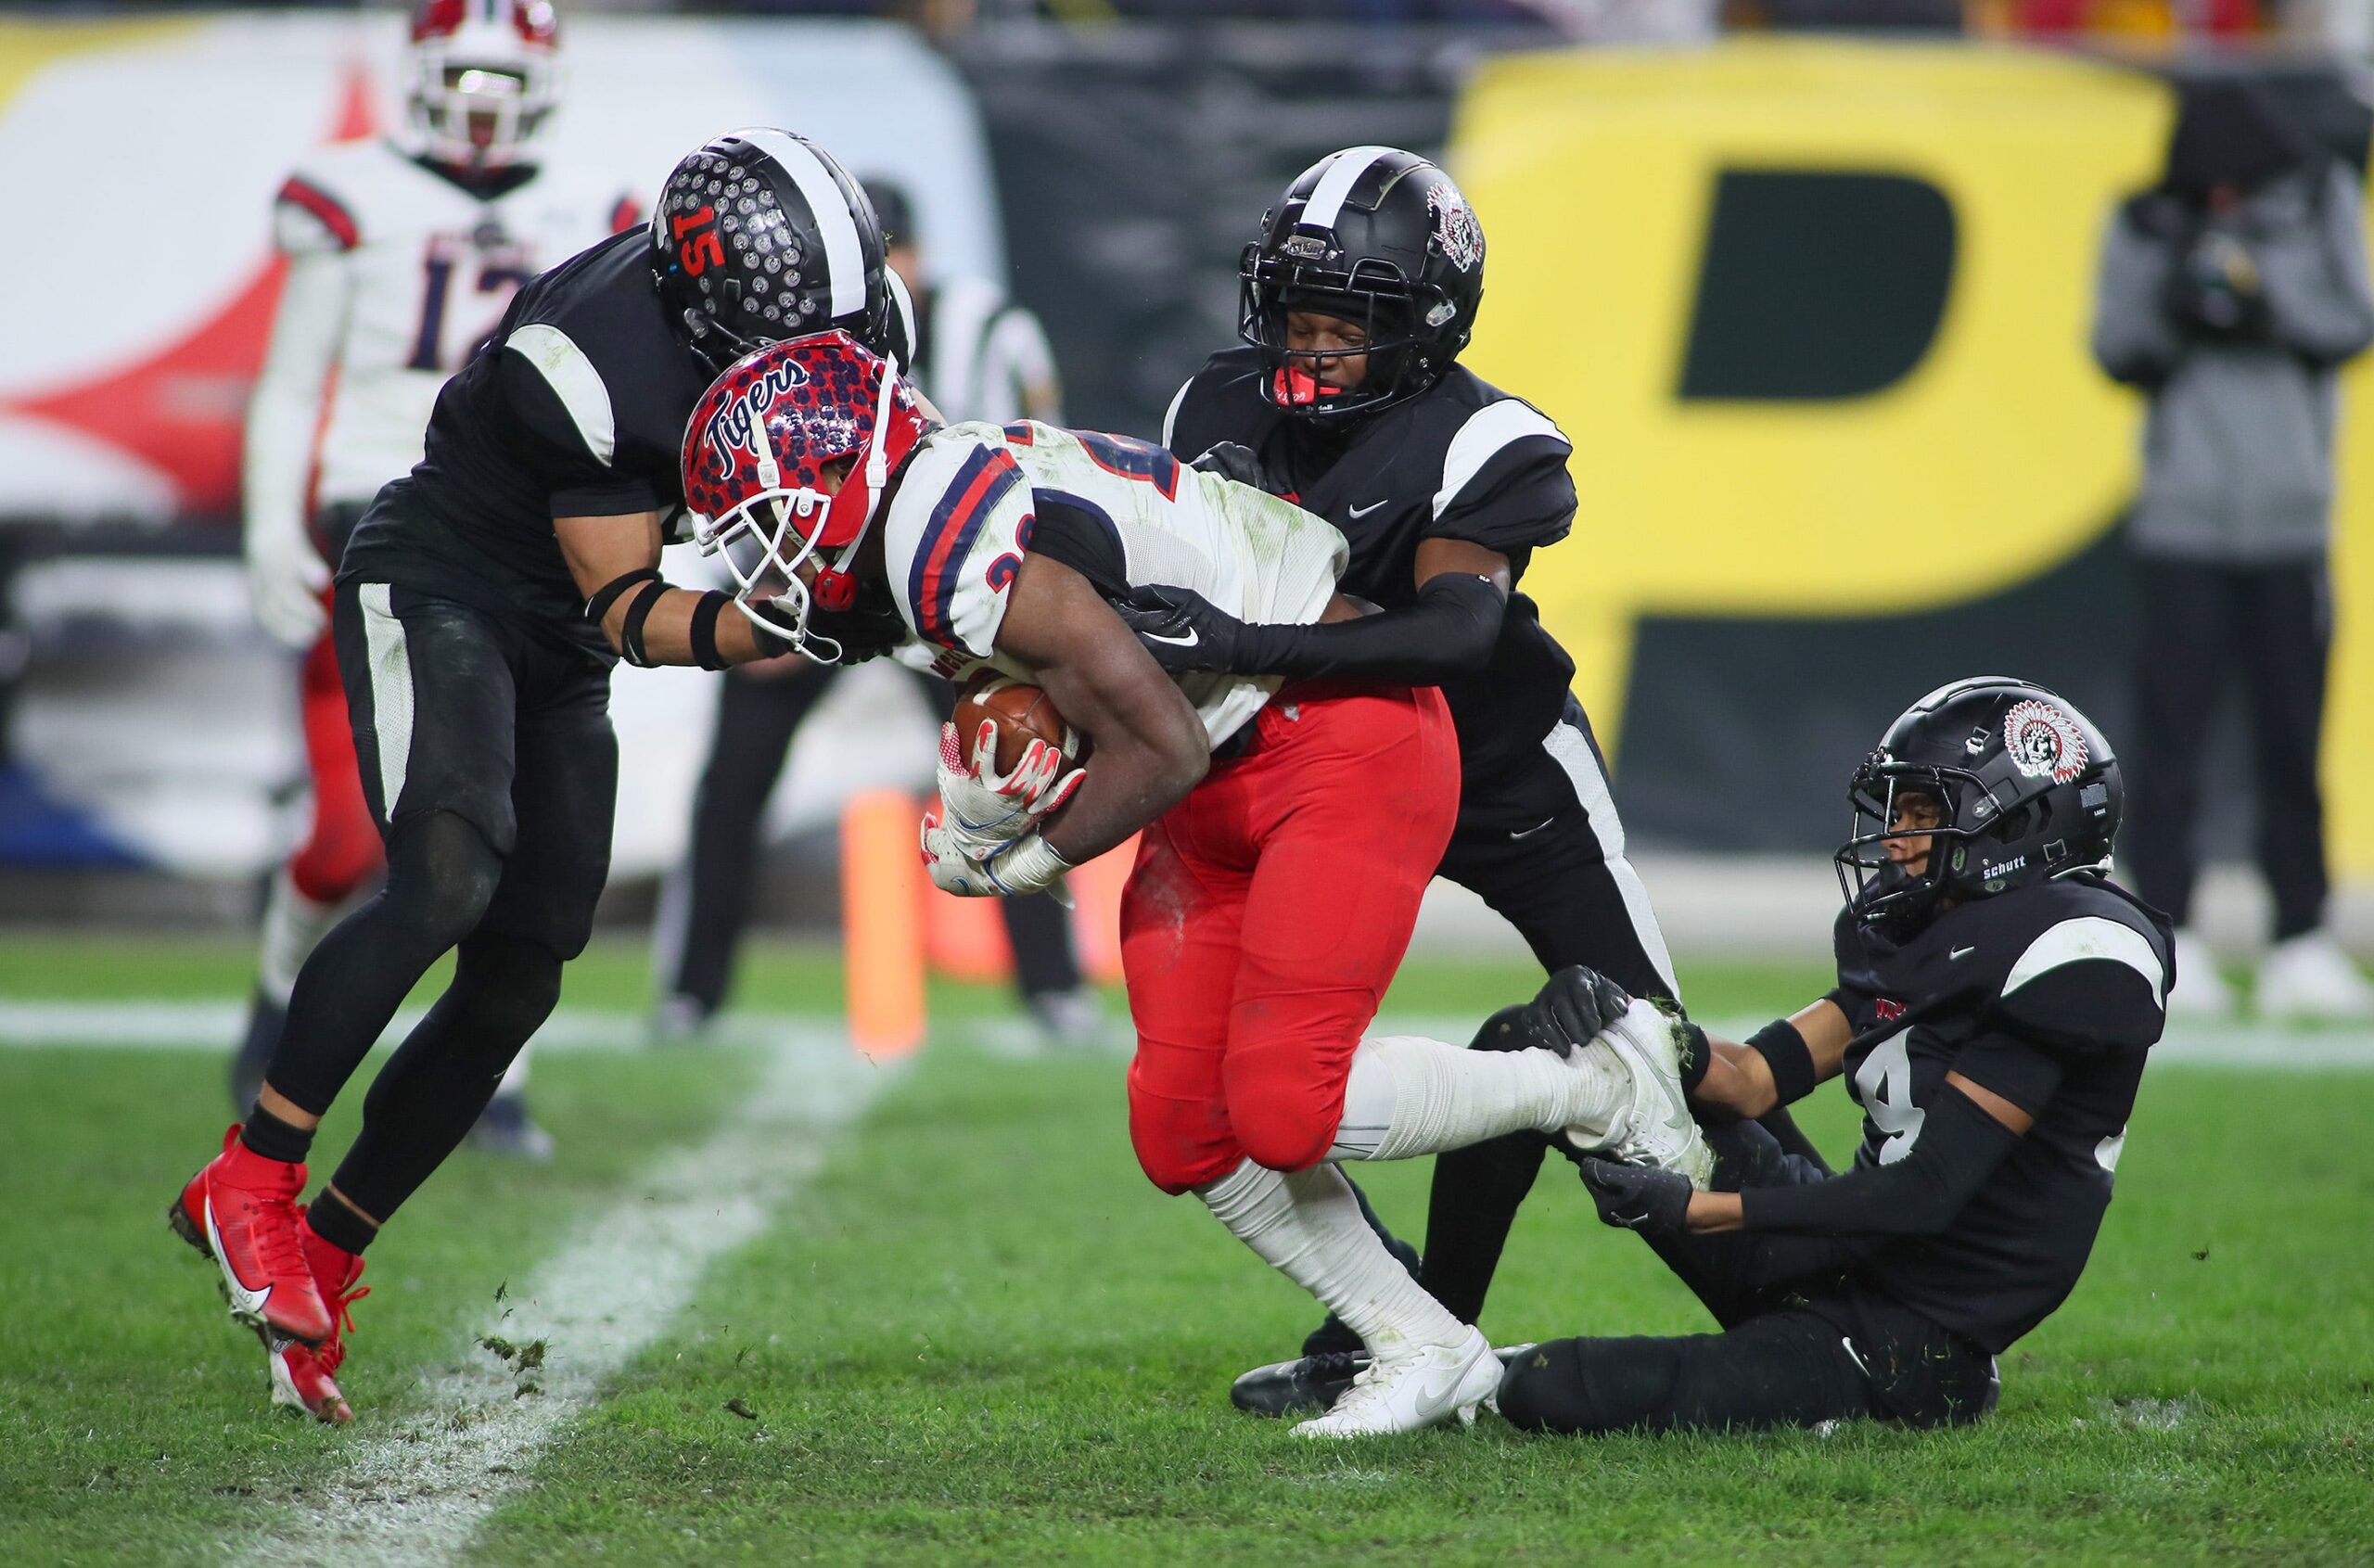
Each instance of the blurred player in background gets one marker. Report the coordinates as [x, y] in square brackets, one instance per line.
[403, 251]
[979, 355]
[479, 610]
[1290, 828]
[2231, 294]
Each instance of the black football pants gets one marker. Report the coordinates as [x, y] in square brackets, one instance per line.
[489, 765]
[1802, 1342]
[707, 906]
[2272, 626]
[1538, 841]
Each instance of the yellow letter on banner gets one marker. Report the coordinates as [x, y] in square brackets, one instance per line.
[1998, 454]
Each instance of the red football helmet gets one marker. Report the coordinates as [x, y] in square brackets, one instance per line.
[755, 453]
[482, 77]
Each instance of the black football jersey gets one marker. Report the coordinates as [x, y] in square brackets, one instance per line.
[575, 407]
[1462, 460]
[2050, 996]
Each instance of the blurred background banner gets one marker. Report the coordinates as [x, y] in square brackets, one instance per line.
[1813, 312]
[145, 720]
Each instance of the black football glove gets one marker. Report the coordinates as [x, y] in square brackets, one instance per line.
[1655, 1203]
[1232, 460]
[1580, 1001]
[1183, 630]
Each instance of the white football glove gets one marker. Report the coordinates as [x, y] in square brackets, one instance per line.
[285, 576]
[992, 809]
[958, 865]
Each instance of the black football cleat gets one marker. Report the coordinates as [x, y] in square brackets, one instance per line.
[1307, 1386]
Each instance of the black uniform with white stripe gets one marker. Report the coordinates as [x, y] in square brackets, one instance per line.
[1842, 1297]
[1425, 449]
[477, 689]
[1537, 834]
[2049, 998]
[577, 409]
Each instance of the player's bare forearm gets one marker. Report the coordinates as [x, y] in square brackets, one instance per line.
[601, 550]
[1149, 745]
[1713, 1212]
[1740, 1081]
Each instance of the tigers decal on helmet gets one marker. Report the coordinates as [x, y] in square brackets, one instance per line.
[756, 455]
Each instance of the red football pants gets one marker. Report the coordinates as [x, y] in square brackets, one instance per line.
[343, 851]
[1264, 919]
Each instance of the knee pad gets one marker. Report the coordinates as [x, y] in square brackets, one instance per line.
[1287, 1136]
[1283, 1107]
[1592, 1386]
[1179, 1145]
[443, 872]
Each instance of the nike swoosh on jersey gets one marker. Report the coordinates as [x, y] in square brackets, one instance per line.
[1365, 511]
[1187, 642]
[1958, 954]
[1528, 833]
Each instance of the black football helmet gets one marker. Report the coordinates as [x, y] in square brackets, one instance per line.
[1378, 236]
[2027, 790]
[760, 235]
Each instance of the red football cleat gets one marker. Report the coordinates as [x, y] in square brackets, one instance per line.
[241, 1211]
[303, 1375]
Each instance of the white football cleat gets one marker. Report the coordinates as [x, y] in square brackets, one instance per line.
[2309, 976]
[2200, 992]
[1411, 1388]
[1658, 1128]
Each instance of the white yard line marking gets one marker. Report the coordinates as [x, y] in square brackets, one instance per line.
[31, 1023]
[419, 1495]
[216, 1026]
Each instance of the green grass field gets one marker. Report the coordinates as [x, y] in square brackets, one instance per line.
[973, 1334]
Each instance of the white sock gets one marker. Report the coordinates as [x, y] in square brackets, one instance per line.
[292, 924]
[514, 1077]
[1408, 1095]
[1306, 1225]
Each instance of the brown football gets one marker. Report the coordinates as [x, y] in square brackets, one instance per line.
[1021, 712]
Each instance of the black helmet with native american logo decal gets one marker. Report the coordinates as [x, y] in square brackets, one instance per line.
[1378, 237]
[2026, 787]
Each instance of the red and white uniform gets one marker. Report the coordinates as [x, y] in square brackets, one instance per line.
[1267, 911]
[396, 274]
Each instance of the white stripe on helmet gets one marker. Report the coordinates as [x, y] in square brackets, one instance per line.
[843, 251]
[1344, 171]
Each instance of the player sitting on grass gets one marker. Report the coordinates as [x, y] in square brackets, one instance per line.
[1997, 998]
[1290, 828]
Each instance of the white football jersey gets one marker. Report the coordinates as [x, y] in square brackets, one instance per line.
[955, 533]
[428, 269]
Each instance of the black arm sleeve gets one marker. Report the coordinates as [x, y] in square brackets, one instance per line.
[1469, 1209]
[1449, 632]
[1958, 1148]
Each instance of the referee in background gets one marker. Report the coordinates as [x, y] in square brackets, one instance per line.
[978, 356]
